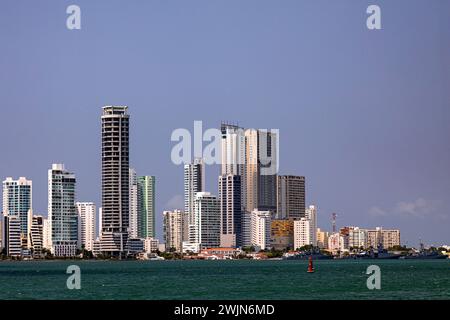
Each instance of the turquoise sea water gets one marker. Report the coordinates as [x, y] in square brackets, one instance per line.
[337, 279]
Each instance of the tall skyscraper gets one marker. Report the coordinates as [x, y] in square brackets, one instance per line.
[17, 201]
[206, 229]
[173, 229]
[194, 181]
[260, 228]
[146, 207]
[115, 180]
[267, 170]
[62, 211]
[233, 149]
[133, 229]
[87, 224]
[230, 196]
[291, 197]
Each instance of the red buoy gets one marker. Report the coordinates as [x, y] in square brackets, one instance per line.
[310, 265]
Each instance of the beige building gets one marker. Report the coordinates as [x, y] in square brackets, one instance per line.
[387, 238]
[322, 239]
[173, 229]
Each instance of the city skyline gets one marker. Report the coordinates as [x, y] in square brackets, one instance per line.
[371, 143]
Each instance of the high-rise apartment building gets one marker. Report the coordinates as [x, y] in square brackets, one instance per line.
[133, 229]
[62, 211]
[290, 197]
[17, 201]
[87, 224]
[115, 179]
[260, 229]
[13, 243]
[35, 234]
[205, 232]
[311, 215]
[146, 207]
[302, 233]
[194, 182]
[173, 225]
[230, 210]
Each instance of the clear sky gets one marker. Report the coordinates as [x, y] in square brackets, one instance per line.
[364, 115]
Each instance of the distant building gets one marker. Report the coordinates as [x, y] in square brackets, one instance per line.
[87, 224]
[146, 204]
[62, 211]
[290, 197]
[230, 210]
[311, 215]
[322, 239]
[135, 246]
[115, 179]
[336, 243]
[282, 234]
[13, 242]
[151, 245]
[194, 182]
[207, 220]
[357, 238]
[17, 201]
[35, 234]
[173, 225]
[386, 238]
[47, 234]
[133, 229]
[260, 227]
[302, 233]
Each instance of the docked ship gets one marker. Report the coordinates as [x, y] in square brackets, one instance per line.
[425, 254]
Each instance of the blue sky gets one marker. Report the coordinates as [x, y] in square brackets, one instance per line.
[364, 115]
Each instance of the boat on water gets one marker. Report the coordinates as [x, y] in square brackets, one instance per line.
[425, 254]
[306, 256]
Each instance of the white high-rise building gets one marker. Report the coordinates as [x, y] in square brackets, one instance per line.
[260, 228]
[205, 232]
[62, 211]
[302, 233]
[194, 182]
[17, 201]
[100, 220]
[305, 229]
[87, 224]
[311, 215]
[134, 205]
[233, 150]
